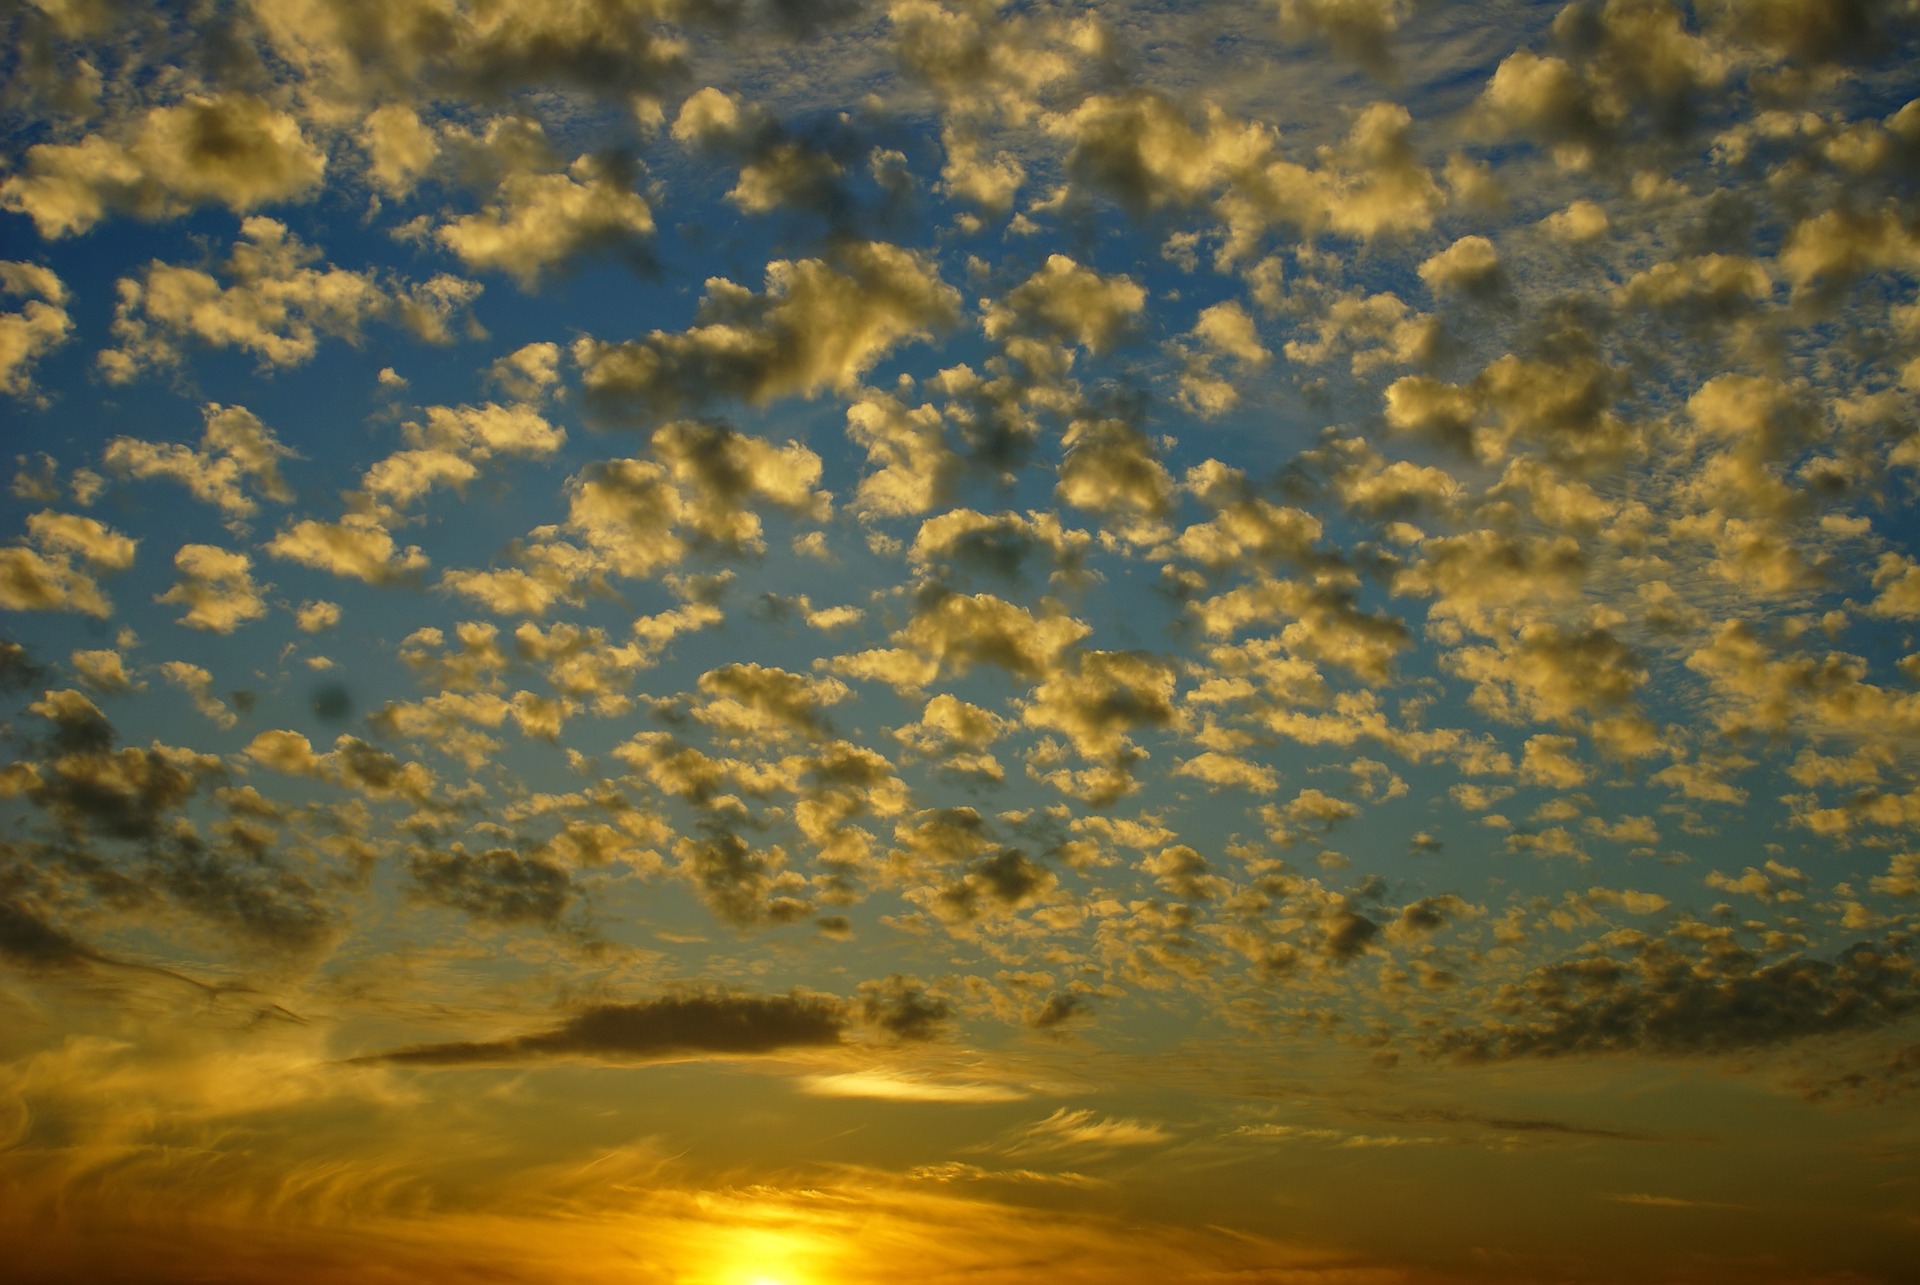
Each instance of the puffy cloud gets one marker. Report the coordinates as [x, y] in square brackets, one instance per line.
[1776, 883]
[992, 886]
[351, 763]
[1184, 873]
[1324, 623]
[42, 576]
[979, 57]
[1111, 467]
[1067, 302]
[626, 510]
[399, 147]
[1000, 543]
[1549, 761]
[1760, 691]
[1580, 222]
[103, 669]
[1105, 696]
[1469, 266]
[276, 308]
[1708, 294]
[1223, 330]
[41, 325]
[1218, 770]
[495, 51]
[1810, 32]
[1378, 329]
[1360, 29]
[1480, 577]
[982, 180]
[1548, 674]
[1143, 149]
[953, 632]
[758, 703]
[449, 447]
[197, 683]
[1245, 529]
[717, 470]
[529, 372]
[817, 325]
[914, 470]
[233, 150]
[216, 587]
[90, 787]
[669, 1028]
[357, 547]
[904, 1008]
[743, 886]
[777, 170]
[1632, 68]
[236, 450]
[1378, 185]
[958, 730]
[537, 222]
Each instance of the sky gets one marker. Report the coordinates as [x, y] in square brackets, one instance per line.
[747, 642]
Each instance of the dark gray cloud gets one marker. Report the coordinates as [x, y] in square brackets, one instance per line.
[902, 1008]
[28, 941]
[90, 787]
[499, 884]
[1674, 1002]
[1503, 1123]
[1058, 1010]
[741, 884]
[673, 1026]
[245, 888]
[18, 671]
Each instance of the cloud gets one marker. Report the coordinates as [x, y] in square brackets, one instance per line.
[1358, 29]
[277, 305]
[236, 452]
[903, 1008]
[1070, 1129]
[41, 325]
[29, 942]
[666, 1029]
[41, 576]
[233, 150]
[759, 703]
[499, 886]
[1667, 1001]
[1067, 302]
[1106, 695]
[893, 1086]
[537, 222]
[216, 587]
[819, 324]
[952, 633]
[357, 547]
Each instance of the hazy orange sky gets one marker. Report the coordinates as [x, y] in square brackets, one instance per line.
[748, 642]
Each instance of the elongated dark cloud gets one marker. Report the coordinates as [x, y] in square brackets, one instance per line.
[1506, 1123]
[1675, 1004]
[654, 1030]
